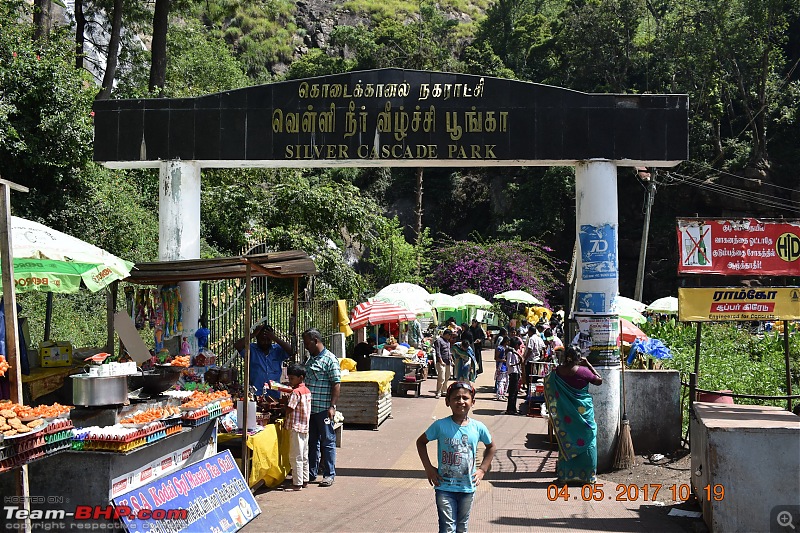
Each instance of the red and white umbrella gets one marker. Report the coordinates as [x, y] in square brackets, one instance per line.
[630, 332]
[376, 312]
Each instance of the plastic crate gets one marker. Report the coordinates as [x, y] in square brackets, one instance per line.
[194, 422]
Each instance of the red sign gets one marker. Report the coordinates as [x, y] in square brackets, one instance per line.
[741, 247]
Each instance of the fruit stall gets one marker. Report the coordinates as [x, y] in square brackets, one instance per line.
[128, 427]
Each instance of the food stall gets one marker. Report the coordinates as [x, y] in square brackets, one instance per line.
[366, 397]
[118, 442]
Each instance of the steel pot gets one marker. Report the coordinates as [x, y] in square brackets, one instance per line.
[225, 375]
[93, 391]
[155, 381]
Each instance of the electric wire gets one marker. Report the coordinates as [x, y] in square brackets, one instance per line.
[762, 196]
[708, 167]
[733, 192]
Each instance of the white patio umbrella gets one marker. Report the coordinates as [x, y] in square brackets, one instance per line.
[629, 309]
[667, 304]
[408, 290]
[444, 302]
[417, 305]
[630, 303]
[520, 297]
[467, 299]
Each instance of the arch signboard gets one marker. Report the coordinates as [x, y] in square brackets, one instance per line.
[394, 117]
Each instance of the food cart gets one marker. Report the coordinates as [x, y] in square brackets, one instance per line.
[111, 457]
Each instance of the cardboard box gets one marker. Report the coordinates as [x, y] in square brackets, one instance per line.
[55, 353]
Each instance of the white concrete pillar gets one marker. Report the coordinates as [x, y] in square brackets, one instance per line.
[597, 282]
[179, 228]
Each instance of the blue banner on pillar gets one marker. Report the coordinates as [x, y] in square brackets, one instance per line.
[591, 302]
[598, 251]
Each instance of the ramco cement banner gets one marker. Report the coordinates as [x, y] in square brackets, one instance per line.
[742, 247]
[738, 303]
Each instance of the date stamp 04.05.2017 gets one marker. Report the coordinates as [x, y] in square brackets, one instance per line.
[624, 492]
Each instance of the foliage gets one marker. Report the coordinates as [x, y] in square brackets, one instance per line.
[259, 33]
[495, 266]
[197, 64]
[731, 358]
[392, 259]
[45, 125]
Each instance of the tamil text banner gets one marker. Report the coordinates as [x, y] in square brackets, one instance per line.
[742, 247]
[738, 303]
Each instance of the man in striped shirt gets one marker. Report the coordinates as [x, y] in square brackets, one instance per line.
[322, 379]
[298, 412]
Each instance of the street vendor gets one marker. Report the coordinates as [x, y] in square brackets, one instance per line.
[267, 355]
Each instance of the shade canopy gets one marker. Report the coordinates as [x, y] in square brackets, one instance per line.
[47, 260]
[444, 302]
[630, 332]
[520, 297]
[408, 290]
[467, 299]
[376, 312]
[625, 304]
[667, 304]
[419, 306]
[286, 264]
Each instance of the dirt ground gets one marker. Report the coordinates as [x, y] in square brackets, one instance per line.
[655, 470]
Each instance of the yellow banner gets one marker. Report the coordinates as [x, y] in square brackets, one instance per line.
[738, 303]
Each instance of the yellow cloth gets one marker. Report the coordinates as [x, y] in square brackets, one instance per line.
[343, 318]
[347, 364]
[269, 455]
[382, 377]
[536, 313]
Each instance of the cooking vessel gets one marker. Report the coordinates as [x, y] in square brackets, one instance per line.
[226, 375]
[212, 376]
[155, 381]
[92, 391]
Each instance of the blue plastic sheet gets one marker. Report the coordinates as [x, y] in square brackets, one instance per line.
[652, 347]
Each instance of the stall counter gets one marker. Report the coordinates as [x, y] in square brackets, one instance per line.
[366, 397]
[270, 454]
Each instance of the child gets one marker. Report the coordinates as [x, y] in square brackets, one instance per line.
[298, 414]
[501, 375]
[457, 439]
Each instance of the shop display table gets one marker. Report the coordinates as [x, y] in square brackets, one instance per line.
[43, 381]
[366, 397]
[391, 363]
[72, 478]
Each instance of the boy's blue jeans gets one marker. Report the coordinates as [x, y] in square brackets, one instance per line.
[321, 442]
[453, 508]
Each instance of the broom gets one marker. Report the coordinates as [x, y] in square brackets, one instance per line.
[625, 455]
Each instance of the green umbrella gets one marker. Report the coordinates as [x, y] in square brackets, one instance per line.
[444, 302]
[46, 260]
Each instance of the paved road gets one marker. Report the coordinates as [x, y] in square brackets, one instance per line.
[381, 486]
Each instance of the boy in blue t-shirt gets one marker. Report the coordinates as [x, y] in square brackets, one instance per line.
[457, 439]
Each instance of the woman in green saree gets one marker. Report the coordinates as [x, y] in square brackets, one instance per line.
[569, 403]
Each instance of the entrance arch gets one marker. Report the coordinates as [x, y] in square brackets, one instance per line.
[409, 118]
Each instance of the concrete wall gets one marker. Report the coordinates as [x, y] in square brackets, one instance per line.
[753, 452]
[653, 402]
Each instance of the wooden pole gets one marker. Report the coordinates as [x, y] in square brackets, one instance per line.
[48, 316]
[12, 339]
[295, 316]
[697, 348]
[111, 309]
[788, 365]
[246, 405]
[651, 189]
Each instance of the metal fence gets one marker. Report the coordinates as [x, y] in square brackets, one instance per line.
[223, 311]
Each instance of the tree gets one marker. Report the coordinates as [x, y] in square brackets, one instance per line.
[495, 266]
[112, 52]
[45, 122]
[158, 47]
